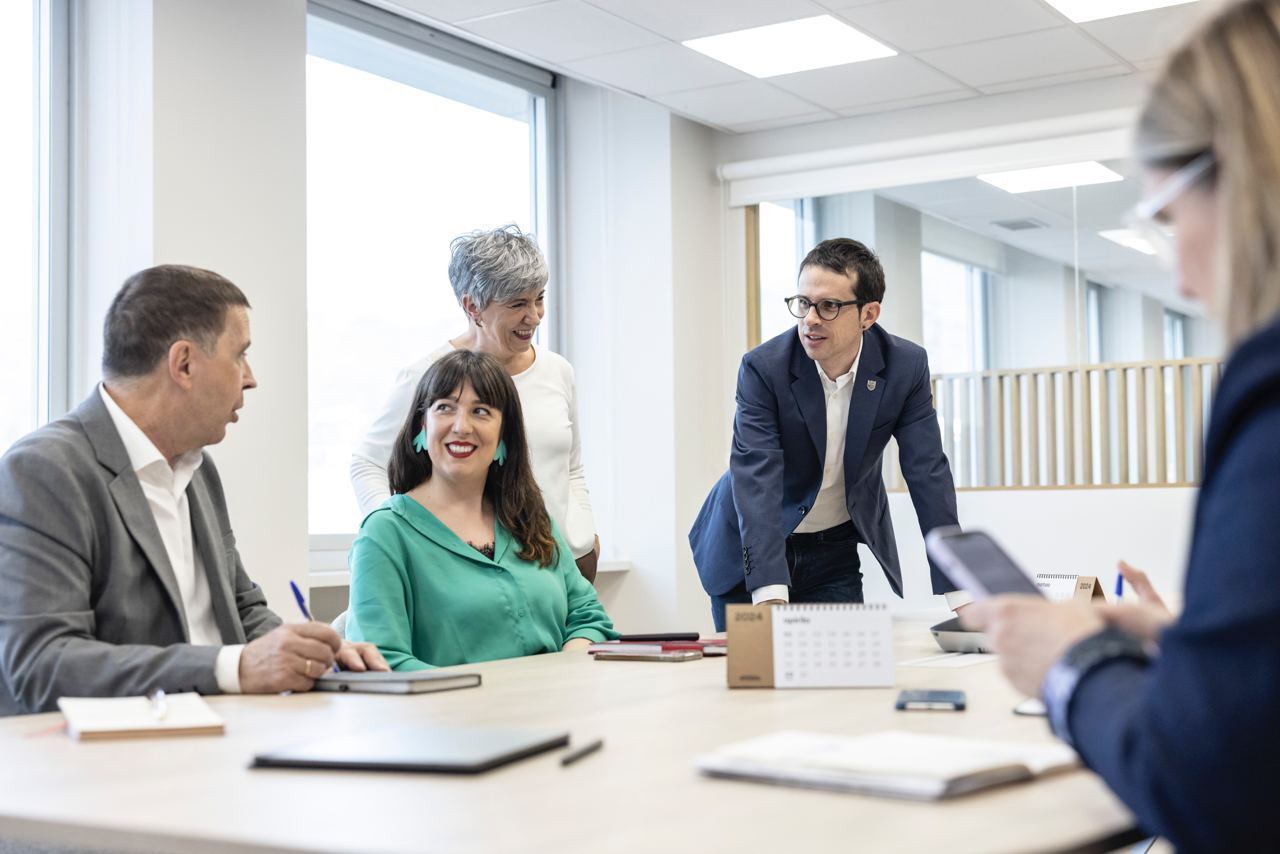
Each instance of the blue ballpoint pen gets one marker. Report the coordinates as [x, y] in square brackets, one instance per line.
[302, 606]
[1119, 586]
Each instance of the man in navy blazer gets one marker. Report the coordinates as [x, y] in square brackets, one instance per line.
[816, 407]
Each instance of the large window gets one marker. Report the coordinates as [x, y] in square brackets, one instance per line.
[19, 175]
[954, 307]
[405, 151]
[32, 214]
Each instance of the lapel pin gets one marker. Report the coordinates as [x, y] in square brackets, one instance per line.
[871, 385]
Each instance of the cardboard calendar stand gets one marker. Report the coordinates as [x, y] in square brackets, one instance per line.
[1060, 588]
[836, 645]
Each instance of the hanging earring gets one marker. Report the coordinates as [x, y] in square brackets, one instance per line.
[500, 455]
[420, 441]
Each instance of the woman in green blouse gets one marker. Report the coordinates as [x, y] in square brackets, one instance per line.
[463, 563]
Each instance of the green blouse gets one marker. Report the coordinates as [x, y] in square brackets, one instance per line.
[428, 599]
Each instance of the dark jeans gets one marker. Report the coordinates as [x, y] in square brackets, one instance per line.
[824, 568]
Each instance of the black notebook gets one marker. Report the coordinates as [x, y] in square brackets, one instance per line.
[451, 750]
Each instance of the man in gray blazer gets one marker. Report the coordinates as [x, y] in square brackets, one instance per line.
[118, 568]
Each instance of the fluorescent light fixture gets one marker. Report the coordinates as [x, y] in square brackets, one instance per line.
[1091, 10]
[791, 46]
[1129, 239]
[1052, 177]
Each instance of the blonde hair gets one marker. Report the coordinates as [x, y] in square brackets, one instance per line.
[1220, 91]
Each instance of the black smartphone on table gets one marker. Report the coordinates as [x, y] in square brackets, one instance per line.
[949, 701]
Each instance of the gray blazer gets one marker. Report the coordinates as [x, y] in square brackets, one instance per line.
[89, 604]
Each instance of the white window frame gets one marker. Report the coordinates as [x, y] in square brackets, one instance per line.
[53, 206]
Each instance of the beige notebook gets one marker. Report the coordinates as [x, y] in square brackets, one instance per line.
[130, 717]
[893, 763]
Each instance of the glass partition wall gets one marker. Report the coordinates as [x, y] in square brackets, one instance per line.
[1061, 353]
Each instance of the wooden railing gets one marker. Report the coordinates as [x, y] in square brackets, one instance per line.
[1105, 425]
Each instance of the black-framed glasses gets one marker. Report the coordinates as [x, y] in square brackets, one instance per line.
[828, 309]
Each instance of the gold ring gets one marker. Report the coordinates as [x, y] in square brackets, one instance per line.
[308, 670]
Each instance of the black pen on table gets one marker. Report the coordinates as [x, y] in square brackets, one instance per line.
[302, 606]
[579, 752]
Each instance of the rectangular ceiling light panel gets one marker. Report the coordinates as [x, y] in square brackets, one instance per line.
[1052, 177]
[1092, 10]
[1129, 239]
[791, 46]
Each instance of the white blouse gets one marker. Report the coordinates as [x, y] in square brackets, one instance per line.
[549, 401]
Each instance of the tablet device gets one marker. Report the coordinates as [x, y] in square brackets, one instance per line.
[975, 562]
[396, 682]
[449, 750]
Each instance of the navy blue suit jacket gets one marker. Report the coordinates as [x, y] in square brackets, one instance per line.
[780, 440]
[1189, 742]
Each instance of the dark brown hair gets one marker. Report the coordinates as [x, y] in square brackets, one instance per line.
[510, 487]
[158, 306]
[844, 255]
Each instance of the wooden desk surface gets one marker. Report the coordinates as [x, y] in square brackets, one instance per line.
[640, 793]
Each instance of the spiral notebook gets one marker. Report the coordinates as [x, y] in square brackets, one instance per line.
[841, 645]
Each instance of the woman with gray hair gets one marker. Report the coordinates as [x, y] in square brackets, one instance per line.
[500, 279]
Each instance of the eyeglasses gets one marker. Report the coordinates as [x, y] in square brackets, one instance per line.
[828, 309]
[1145, 218]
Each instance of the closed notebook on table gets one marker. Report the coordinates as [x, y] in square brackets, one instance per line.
[449, 750]
[90, 718]
[396, 682]
[893, 763]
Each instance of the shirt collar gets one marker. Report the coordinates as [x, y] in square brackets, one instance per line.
[143, 453]
[830, 385]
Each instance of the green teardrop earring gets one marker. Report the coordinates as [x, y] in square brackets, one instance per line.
[420, 441]
[500, 455]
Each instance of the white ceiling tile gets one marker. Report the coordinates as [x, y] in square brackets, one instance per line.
[914, 25]
[857, 83]
[452, 11]
[1145, 36]
[1052, 80]
[680, 20]
[788, 122]
[1039, 54]
[560, 31]
[656, 69]
[737, 103]
[908, 103]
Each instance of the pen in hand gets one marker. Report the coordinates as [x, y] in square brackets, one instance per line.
[302, 606]
[1119, 587]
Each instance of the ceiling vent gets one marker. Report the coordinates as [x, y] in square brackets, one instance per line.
[1020, 224]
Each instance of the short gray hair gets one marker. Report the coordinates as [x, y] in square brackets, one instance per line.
[496, 265]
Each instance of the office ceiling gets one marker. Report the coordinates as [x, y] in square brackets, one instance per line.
[1068, 223]
[948, 50]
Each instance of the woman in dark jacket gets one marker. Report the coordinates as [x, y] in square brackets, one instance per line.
[1180, 717]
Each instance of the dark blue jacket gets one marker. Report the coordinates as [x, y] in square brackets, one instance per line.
[780, 440]
[1191, 743]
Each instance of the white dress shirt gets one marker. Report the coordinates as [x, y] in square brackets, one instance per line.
[829, 508]
[165, 489]
[549, 401]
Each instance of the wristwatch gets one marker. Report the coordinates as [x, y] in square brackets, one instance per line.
[1097, 649]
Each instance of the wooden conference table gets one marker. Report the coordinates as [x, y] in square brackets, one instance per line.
[640, 793]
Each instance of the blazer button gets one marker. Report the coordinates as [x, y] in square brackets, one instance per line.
[803, 509]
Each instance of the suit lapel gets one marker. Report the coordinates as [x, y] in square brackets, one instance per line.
[806, 388]
[125, 490]
[868, 390]
[208, 544]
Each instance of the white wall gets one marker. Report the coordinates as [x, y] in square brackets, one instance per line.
[1080, 531]
[1032, 325]
[645, 329]
[194, 146]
